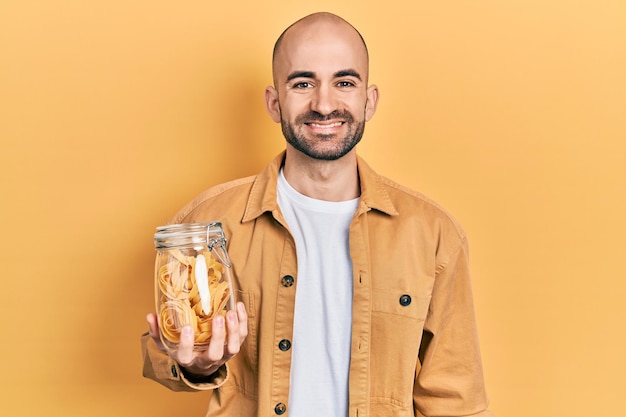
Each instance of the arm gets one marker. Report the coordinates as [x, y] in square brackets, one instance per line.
[449, 379]
[189, 370]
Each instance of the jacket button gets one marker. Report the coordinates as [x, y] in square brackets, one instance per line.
[284, 345]
[280, 409]
[287, 281]
[405, 300]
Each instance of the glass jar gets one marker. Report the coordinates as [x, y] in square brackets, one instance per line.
[192, 280]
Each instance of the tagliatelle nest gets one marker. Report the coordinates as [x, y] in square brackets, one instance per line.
[182, 300]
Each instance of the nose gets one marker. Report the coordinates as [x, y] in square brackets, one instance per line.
[323, 100]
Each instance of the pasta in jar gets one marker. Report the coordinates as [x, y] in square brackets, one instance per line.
[192, 283]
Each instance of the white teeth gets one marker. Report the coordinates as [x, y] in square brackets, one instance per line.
[326, 126]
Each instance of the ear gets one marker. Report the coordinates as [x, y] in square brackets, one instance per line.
[372, 102]
[271, 102]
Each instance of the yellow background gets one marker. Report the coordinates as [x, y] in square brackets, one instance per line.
[115, 113]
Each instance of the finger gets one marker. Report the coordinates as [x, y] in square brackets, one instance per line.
[153, 330]
[243, 321]
[232, 326]
[215, 352]
[153, 325]
[184, 354]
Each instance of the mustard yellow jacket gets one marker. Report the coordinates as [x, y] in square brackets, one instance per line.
[414, 341]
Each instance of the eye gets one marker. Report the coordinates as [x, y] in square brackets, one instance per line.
[345, 84]
[302, 85]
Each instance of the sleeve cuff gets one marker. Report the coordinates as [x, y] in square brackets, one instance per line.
[160, 367]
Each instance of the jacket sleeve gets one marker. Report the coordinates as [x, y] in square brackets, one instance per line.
[160, 367]
[449, 378]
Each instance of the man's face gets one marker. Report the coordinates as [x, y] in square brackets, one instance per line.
[321, 90]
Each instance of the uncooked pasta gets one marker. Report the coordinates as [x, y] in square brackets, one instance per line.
[190, 294]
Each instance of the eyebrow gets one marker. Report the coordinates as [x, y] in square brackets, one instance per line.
[348, 73]
[311, 74]
[300, 74]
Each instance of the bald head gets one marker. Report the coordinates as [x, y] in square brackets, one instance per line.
[321, 95]
[312, 28]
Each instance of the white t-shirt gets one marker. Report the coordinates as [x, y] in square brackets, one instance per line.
[323, 310]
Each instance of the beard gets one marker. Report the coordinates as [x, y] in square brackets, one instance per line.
[327, 147]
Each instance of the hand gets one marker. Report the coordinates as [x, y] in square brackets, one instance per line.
[206, 362]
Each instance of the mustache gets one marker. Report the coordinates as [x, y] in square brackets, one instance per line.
[313, 116]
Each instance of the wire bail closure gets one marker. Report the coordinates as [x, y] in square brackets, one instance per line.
[220, 245]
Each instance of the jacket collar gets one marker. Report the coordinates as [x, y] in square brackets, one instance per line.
[263, 197]
[374, 195]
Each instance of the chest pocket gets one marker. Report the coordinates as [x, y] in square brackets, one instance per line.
[400, 303]
[397, 324]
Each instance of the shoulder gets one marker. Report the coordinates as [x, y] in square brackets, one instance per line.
[235, 201]
[411, 202]
[422, 220]
[405, 206]
[218, 200]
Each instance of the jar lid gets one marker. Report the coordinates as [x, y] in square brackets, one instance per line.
[182, 234]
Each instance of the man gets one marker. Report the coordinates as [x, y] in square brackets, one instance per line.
[354, 292]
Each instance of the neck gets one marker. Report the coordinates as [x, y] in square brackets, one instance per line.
[323, 180]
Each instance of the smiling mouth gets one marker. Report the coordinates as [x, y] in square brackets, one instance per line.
[324, 126]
